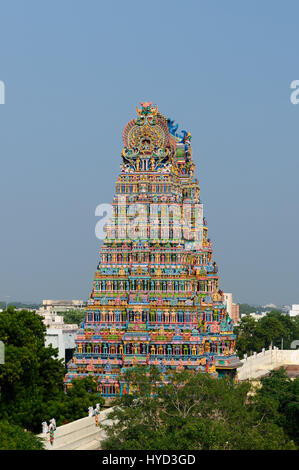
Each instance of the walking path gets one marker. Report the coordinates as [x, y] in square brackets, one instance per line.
[82, 434]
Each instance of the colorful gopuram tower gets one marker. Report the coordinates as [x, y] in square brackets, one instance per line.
[155, 298]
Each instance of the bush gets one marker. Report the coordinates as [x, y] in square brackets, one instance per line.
[13, 437]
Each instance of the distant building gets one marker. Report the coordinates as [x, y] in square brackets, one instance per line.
[51, 320]
[294, 311]
[256, 315]
[231, 307]
[57, 306]
[235, 313]
[285, 309]
[59, 334]
[271, 306]
[51, 308]
[228, 301]
[19, 309]
[62, 338]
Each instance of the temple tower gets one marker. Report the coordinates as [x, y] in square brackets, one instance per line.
[155, 297]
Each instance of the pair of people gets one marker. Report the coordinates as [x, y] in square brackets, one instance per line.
[46, 428]
[50, 429]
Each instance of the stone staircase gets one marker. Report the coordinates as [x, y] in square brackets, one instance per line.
[82, 434]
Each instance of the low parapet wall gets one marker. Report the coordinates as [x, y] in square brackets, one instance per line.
[260, 364]
[82, 434]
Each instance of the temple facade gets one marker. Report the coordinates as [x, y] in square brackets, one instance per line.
[155, 297]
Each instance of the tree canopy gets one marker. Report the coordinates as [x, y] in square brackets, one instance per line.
[13, 437]
[73, 316]
[31, 379]
[278, 396]
[192, 412]
[246, 309]
[254, 335]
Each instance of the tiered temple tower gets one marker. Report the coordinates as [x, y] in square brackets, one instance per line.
[155, 298]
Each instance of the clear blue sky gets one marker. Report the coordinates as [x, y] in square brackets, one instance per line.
[74, 72]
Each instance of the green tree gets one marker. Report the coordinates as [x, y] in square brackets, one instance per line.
[269, 330]
[73, 316]
[245, 309]
[290, 328]
[254, 335]
[31, 379]
[31, 375]
[74, 405]
[13, 437]
[278, 396]
[246, 335]
[193, 411]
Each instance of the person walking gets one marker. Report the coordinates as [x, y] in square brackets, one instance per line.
[51, 430]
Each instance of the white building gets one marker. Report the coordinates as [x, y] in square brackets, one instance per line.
[228, 301]
[59, 334]
[58, 306]
[231, 307]
[54, 321]
[294, 310]
[62, 338]
[255, 315]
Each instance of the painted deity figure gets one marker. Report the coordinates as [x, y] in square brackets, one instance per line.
[90, 411]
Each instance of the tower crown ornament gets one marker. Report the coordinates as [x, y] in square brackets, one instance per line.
[147, 108]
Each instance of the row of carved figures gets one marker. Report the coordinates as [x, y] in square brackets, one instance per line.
[217, 347]
[154, 316]
[157, 258]
[210, 285]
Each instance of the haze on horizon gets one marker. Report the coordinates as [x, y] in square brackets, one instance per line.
[73, 75]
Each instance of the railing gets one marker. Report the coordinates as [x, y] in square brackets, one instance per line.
[258, 364]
